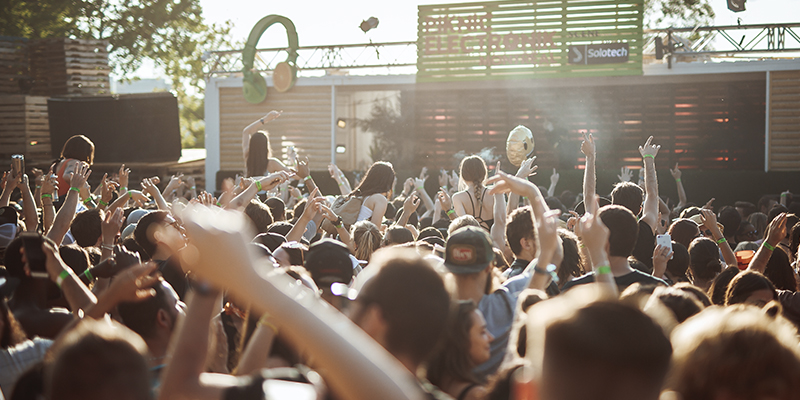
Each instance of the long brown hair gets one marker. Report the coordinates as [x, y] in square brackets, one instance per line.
[258, 154]
[378, 179]
[12, 330]
[473, 169]
[367, 238]
[452, 363]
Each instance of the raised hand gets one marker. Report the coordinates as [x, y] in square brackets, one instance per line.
[588, 147]
[124, 173]
[443, 178]
[594, 235]
[661, 256]
[149, 187]
[274, 179]
[135, 284]
[676, 173]
[547, 230]
[303, 169]
[327, 212]
[709, 219]
[505, 183]
[50, 184]
[335, 172]
[174, 183]
[527, 168]
[111, 225]
[138, 197]
[708, 205]
[554, 177]
[207, 199]
[649, 149]
[108, 189]
[408, 186]
[776, 231]
[411, 203]
[80, 176]
[444, 200]
[38, 176]
[625, 174]
[423, 175]
[573, 221]
[271, 116]
[454, 179]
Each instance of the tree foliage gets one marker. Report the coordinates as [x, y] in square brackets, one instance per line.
[677, 13]
[391, 122]
[170, 33]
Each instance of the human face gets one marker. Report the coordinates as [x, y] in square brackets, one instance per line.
[480, 339]
[173, 234]
[760, 298]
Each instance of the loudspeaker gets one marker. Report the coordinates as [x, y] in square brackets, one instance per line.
[124, 128]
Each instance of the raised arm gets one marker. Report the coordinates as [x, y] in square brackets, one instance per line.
[150, 188]
[710, 222]
[340, 178]
[254, 127]
[776, 231]
[49, 188]
[526, 169]
[549, 243]
[10, 183]
[423, 194]
[594, 236]
[28, 206]
[262, 183]
[505, 183]
[551, 191]
[676, 174]
[67, 211]
[344, 234]
[304, 173]
[650, 211]
[498, 230]
[589, 178]
[309, 212]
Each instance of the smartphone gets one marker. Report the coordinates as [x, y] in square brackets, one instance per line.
[280, 389]
[664, 240]
[17, 164]
[32, 243]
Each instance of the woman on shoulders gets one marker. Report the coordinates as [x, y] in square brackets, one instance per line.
[374, 189]
[76, 150]
[474, 199]
[258, 159]
[466, 345]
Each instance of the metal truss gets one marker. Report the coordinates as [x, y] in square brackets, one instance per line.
[386, 56]
[762, 38]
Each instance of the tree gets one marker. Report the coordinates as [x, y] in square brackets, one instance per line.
[392, 124]
[677, 13]
[170, 33]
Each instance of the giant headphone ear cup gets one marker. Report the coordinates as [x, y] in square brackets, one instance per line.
[284, 76]
[254, 88]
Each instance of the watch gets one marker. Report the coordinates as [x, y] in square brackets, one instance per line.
[339, 223]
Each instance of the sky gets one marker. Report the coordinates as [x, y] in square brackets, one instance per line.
[325, 22]
[328, 22]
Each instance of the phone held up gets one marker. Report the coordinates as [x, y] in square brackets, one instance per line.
[32, 243]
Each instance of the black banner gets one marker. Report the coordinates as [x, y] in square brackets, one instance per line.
[607, 53]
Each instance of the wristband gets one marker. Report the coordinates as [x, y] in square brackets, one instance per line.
[721, 241]
[123, 189]
[47, 195]
[524, 198]
[451, 211]
[769, 246]
[195, 187]
[299, 198]
[649, 155]
[63, 275]
[219, 204]
[307, 178]
[87, 201]
[265, 321]
[341, 184]
[38, 187]
[262, 121]
[677, 179]
[88, 274]
[550, 270]
[258, 185]
[782, 194]
[420, 187]
[603, 269]
[281, 188]
[130, 195]
[103, 203]
[107, 247]
[74, 189]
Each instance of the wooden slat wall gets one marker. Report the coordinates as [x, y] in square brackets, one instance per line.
[64, 66]
[784, 121]
[711, 125]
[305, 123]
[13, 64]
[24, 128]
[524, 39]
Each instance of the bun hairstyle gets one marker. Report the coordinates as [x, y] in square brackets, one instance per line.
[704, 260]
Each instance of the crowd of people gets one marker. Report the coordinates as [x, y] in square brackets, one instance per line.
[490, 288]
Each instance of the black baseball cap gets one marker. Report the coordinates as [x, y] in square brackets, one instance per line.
[468, 250]
[328, 261]
[8, 215]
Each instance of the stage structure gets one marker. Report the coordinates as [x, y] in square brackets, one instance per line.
[479, 69]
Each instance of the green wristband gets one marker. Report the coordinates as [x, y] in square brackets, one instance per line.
[103, 203]
[258, 185]
[88, 200]
[603, 269]
[47, 196]
[63, 275]
[769, 246]
[88, 274]
[677, 179]
[649, 155]
[451, 211]
[74, 189]
[722, 240]
[123, 189]
[307, 178]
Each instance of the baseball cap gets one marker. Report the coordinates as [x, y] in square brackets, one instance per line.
[468, 250]
[329, 262]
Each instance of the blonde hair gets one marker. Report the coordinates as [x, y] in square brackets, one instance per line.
[367, 238]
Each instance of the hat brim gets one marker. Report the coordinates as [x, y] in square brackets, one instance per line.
[466, 269]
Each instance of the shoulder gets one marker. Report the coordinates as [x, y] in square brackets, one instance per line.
[588, 278]
[276, 165]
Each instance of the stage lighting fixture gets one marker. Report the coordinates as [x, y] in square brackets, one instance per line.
[340, 149]
[736, 5]
[341, 123]
[371, 23]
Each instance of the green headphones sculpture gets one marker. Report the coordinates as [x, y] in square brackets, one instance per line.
[285, 73]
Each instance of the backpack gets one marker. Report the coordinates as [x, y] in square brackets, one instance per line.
[346, 207]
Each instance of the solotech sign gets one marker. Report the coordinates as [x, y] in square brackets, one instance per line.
[524, 39]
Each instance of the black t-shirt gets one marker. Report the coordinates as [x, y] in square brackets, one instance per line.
[171, 271]
[622, 281]
[645, 244]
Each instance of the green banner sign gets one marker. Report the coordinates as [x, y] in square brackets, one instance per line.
[529, 39]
